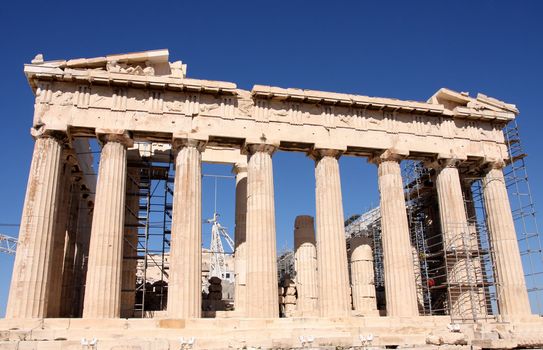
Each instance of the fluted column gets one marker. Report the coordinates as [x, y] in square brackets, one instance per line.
[68, 266]
[362, 277]
[400, 286]
[59, 237]
[479, 261]
[240, 254]
[511, 286]
[30, 281]
[305, 265]
[461, 249]
[185, 274]
[103, 284]
[262, 292]
[333, 275]
[82, 242]
[128, 284]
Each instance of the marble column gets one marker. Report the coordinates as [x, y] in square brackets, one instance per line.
[59, 238]
[81, 254]
[240, 254]
[460, 246]
[333, 275]
[30, 281]
[262, 288]
[362, 277]
[130, 244]
[185, 274]
[103, 283]
[479, 262]
[68, 266]
[418, 278]
[511, 286]
[305, 265]
[400, 286]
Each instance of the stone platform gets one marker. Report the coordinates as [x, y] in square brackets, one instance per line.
[285, 333]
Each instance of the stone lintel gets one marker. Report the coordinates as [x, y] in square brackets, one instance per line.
[391, 154]
[223, 155]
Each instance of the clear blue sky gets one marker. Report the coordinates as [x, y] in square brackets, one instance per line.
[403, 49]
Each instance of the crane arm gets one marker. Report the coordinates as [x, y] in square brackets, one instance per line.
[8, 244]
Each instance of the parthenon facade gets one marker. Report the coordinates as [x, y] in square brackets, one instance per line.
[135, 99]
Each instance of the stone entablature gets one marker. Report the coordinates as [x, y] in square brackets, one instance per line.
[157, 104]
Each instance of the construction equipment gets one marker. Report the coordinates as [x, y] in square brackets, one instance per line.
[8, 244]
[218, 232]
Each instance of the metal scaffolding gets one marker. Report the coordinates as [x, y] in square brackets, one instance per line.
[524, 215]
[453, 270]
[155, 183]
[369, 225]
[154, 218]
[424, 242]
[285, 265]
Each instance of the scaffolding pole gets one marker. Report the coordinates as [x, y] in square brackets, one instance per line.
[154, 230]
[524, 215]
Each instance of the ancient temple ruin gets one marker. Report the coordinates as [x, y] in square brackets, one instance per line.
[76, 261]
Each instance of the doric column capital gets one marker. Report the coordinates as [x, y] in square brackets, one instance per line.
[483, 166]
[44, 132]
[388, 155]
[120, 136]
[252, 148]
[179, 142]
[495, 164]
[444, 162]
[319, 153]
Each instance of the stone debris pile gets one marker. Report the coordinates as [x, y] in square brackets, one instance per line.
[288, 298]
[212, 301]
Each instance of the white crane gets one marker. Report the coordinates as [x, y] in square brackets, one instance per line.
[8, 244]
[217, 266]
